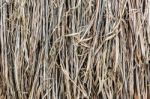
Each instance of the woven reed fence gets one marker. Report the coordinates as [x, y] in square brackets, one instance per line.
[75, 49]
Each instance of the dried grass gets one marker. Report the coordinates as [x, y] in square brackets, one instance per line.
[75, 49]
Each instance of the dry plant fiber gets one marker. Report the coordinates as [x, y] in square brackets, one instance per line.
[74, 49]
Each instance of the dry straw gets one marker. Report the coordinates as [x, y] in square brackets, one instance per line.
[75, 49]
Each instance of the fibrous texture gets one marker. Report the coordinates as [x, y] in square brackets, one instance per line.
[75, 49]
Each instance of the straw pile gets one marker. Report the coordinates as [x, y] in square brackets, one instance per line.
[75, 49]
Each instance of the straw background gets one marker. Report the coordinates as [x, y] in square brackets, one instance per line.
[75, 49]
